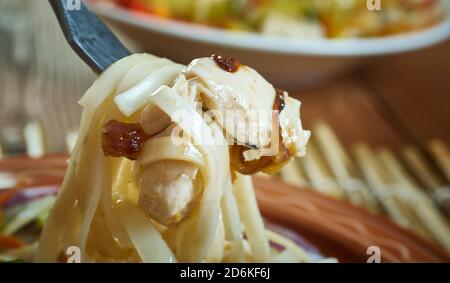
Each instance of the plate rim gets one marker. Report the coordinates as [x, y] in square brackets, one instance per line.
[406, 246]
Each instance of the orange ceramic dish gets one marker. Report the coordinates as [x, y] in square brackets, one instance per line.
[337, 229]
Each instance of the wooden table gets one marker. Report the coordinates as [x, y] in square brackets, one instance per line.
[391, 101]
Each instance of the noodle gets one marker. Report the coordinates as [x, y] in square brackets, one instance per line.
[251, 218]
[147, 240]
[191, 211]
[233, 233]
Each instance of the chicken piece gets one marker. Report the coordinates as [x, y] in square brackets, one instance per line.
[167, 190]
[242, 100]
[243, 103]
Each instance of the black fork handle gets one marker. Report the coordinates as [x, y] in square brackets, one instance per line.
[88, 36]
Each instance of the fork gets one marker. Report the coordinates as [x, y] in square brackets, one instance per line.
[88, 36]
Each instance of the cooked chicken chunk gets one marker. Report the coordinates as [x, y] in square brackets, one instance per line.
[242, 102]
[167, 188]
[243, 99]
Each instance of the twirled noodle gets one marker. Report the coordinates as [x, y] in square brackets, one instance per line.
[166, 198]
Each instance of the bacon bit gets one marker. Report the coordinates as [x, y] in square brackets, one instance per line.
[123, 140]
[9, 243]
[228, 64]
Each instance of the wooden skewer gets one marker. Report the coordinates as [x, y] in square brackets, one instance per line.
[319, 174]
[381, 184]
[419, 166]
[425, 211]
[398, 192]
[395, 168]
[34, 139]
[441, 154]
[292, 173]
[343, 167]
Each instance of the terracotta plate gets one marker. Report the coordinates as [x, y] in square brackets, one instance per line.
[336, 228]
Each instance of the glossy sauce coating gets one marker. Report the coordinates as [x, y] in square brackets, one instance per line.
[228, 64]
[279, 103]
[266, 164]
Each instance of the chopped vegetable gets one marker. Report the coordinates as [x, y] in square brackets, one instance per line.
[22, 254]
[349, 18]
[23, 195]
[8, 242]
[40, 219]
[27, 214]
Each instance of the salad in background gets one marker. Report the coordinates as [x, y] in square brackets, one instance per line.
[300, 19]
[26, 199]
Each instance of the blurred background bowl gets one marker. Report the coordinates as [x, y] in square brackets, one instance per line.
[304, 62]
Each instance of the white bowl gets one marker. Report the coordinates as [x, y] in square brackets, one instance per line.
[288, 63]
